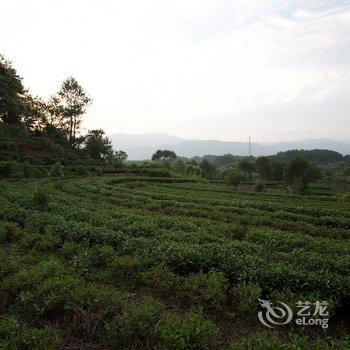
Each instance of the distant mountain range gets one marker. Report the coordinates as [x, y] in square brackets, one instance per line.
[139, 147]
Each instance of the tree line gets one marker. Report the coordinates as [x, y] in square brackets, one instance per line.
[59, 118]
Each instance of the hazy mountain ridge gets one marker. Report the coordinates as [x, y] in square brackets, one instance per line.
[142, 146]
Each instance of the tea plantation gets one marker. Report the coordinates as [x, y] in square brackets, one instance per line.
[160, 263]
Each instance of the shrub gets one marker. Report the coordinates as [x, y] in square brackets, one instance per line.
[102, 256]
[51, 297]
[207, 290]
[16, 335]
[28, 279]
[39, 243]
[233, 177]
[59, 185]
[346, 197]
[160, 279]
[259, 187]
[30, 170]
[10, 169]
[126, 268]
[56, 170]
[135, 328]
[40, 199]
[270, 340]
[8, 266]
[135, 184]
[81, 170]
[190, 331]
[9, 231]
[245, 298]
[100, 304]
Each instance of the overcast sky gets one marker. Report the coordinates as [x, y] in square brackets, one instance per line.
[209, 69]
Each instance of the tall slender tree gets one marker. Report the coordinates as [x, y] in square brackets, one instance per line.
[72, 102]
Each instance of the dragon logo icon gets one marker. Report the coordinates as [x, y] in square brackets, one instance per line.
[274, 315]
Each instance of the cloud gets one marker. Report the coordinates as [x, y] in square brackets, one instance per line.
[197, 68]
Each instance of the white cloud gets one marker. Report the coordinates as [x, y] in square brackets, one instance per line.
[196, 68]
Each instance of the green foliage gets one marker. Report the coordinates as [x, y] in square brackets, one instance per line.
[10, 169]
[207, 168]
[193, 170]
[121, 268]
[136, 327]
[245, 298]
[207, 290]
[17, 335]
[192, 331]
[270, 340]
[247, 167]
[233, 177]
[41, 199]
[97, 144]
[299, 173]
[9, 231]
[161, 279]
[263, 167]
[39, 243]
[11, 93]
[259, 187]
[56, 170]
[164, 155]
[180, 167]
[70, 104]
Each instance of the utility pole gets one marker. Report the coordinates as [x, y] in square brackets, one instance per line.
[250, 147]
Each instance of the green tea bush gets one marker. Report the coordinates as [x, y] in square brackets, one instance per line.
[9, 231]
[40, 199]
[126, 268]
[8, 266]
[28, 279]
[245, 298]
[135, 184]
[259, 187]
[207, 290]
[56, 170]
[265, 340]
[191, 331]
[94, 306]
[136, 327]
[50, 298]
[102, 256]
[81, 171]
[39, 243]
[16, 335]
[10, 169]
[161, 280]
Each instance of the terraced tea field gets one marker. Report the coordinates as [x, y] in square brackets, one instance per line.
[139, 263]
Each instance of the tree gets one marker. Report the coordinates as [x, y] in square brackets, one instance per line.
[12, 105]
[233, 177]
[208, 169]
[193, 170]
[263, 167]
[298, 173]
[276, 171]
[180, 167]
[116, 157]
[97, 144]
[35, 112]
[247, 167]
[71, 102]
[164, 155]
